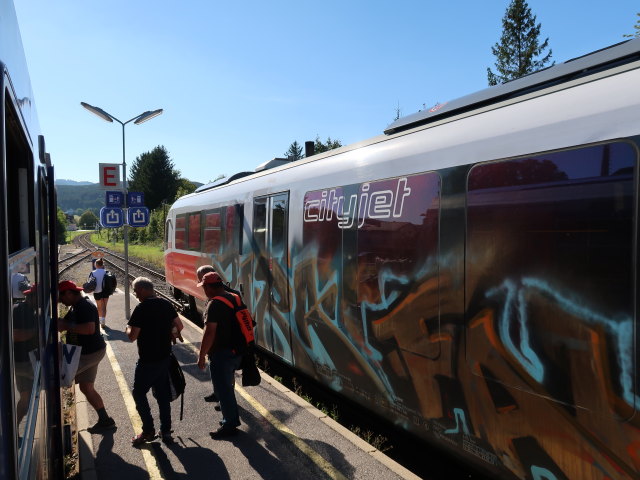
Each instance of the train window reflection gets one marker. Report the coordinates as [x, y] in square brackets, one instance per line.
[549, 243]
[193, 236]
[212, 231]
[24, 291]
[181, 231]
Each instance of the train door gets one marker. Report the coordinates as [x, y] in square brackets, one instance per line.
[271, 273]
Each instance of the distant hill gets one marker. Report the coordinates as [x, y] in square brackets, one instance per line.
[72, 182]
[81, 196]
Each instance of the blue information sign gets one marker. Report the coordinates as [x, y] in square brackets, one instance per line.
[138, 216]
[111, 217]
[135, 199]
[114, 199]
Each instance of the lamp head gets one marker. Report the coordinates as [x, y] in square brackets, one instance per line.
[148, 115]
[97, 111]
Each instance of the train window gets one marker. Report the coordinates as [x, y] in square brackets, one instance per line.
[233, 225]
[398, 276]
[379, 239]
[212, 231]
[193, 236]
[19, 183]
[549, 277]
[181, 232]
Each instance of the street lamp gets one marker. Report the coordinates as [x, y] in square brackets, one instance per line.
[138, 119]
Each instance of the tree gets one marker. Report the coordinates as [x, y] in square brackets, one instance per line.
[153, 173]
[636, 27]
[294, 152]
[320, 147]
[185, 187]
[519, 51]
[61, 227]
[87, 220]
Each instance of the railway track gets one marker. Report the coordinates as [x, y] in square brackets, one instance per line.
[117, 262]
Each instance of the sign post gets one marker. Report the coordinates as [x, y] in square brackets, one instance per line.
[108, 177]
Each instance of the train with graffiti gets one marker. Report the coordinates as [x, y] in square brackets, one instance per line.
[31, 424]
[470, 274]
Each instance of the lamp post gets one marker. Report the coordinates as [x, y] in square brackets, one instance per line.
[137, 120]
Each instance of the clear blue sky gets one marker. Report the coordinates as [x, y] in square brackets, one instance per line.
[240, 81]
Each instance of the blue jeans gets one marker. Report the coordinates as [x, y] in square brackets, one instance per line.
[147, 375]
[223, 365]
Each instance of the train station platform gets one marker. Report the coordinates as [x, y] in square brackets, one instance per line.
[281, 436]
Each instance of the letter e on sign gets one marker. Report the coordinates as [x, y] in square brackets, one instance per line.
[109, 175]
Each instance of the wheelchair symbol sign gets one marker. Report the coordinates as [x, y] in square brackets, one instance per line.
[138, 216]
[111, 217]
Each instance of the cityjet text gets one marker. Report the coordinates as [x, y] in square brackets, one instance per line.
[378, 204]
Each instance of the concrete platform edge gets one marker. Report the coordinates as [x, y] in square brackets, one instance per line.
[341, 430]
[86, 464]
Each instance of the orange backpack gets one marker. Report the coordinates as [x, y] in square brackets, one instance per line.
[243, 317]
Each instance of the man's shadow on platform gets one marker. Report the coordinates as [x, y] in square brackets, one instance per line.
[107, 460]
[199, 462]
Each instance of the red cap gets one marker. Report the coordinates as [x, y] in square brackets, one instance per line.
[68, 285]
[210, 278]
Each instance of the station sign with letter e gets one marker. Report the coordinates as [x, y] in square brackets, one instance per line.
[109, 176]
[111, 217]
[138, 216]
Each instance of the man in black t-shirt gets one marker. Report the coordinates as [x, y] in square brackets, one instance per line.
[221, 346]
[154, 324]
[83, 329]
[201, 272]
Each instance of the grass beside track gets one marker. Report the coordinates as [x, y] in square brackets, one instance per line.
[153, 254]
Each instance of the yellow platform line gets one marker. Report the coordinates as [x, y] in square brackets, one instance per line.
[149, 458]
[314, 456]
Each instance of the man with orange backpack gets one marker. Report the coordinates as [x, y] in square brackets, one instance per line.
[201, 272]
[224, 343]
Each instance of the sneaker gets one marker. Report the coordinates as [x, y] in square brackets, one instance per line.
[211, 398]
[102, 425]
[223, 432]
[143, 437]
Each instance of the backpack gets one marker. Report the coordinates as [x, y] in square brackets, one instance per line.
[177, 383]
[90, 285]
[244, 322]
[109, 283]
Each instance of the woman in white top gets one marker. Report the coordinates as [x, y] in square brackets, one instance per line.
[100, 298]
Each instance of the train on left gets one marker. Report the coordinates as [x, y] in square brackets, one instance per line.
[31, 427]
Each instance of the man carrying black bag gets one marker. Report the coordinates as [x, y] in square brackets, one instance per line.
[154, 324]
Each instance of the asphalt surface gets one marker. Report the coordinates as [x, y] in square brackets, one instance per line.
[281, 436]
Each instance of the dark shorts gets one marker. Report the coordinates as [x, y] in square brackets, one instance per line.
[100, 296]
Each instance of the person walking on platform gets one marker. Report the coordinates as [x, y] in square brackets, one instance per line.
[202, 270]
[219, 345]
[154, 324]
[98, 295]
[83, 329]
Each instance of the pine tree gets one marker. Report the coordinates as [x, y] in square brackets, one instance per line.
[320, 147]
[294, 152]
[153, 173]
[519, 51]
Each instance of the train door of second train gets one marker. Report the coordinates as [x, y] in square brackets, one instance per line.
[271, 273]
